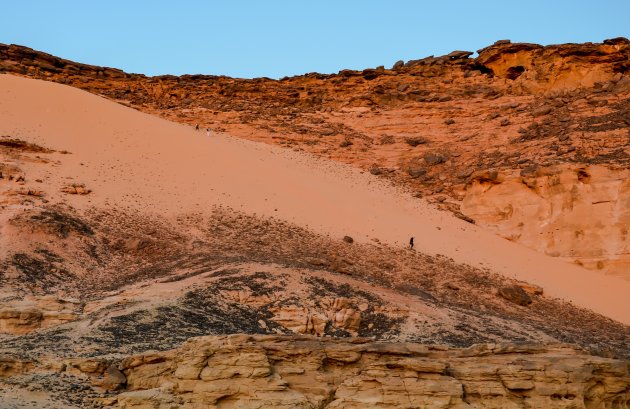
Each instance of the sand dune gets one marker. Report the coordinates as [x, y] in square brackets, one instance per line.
[136, 161]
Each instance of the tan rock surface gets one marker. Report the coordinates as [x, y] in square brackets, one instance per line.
[33, 313]
[581, 215]
[291, 372]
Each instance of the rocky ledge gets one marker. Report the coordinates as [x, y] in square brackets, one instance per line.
[267, 371]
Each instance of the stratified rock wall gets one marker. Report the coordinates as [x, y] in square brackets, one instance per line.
[304, 372]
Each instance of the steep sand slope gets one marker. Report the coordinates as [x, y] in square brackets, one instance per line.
[136, 161]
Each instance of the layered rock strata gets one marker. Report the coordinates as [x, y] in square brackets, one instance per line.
[304, 372]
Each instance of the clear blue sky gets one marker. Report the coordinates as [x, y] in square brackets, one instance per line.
[288, 37]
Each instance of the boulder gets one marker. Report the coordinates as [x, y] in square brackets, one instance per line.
[459, 55]
[416, 172]
[433, 159]
[375, 170]
[516, 295]
[113, 379]
[415, 141]
[76, 189]
[617, 41]
[543, 110]
[398, 65]
[531, 289]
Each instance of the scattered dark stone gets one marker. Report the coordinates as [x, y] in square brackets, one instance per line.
[617, 118]
[529, 170]
[375, 170]
[516, 295]
[41, 275]
[433, 159]
[348, 239]
[387, 140]
[505, 122]
[327, 131]
[346, 143]
[544, 110]
[449, 121]
[416, 172]
[415, 141]
[62, 224]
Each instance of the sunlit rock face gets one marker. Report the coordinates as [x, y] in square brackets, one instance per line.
[581, 214]
[305, 372]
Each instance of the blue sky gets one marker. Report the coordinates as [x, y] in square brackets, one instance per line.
[249, 39]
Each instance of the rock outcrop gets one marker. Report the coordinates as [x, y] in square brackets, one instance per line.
[20, 317]
[302, 372]
[271, 371]
[581, 215]
[426, 124]
[525, 140]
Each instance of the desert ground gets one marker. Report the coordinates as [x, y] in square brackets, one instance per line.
[144, 263]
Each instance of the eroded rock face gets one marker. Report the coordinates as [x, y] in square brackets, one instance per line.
[340, 313]
[304, 372]
[19, 317]
[580, 214]
[581, 65]
[426, 124]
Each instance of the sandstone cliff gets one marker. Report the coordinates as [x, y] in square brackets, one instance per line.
[243, 371]
[149, 243]
[253, 372]
[426, 124]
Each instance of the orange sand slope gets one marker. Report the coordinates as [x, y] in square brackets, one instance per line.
[137, 161]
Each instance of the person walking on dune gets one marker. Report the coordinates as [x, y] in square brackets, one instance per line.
[207, 131]
[411, 243]
[197, 127]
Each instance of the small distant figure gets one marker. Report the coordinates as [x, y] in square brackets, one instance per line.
[197, 127]
[207, 131]
[411, 243]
